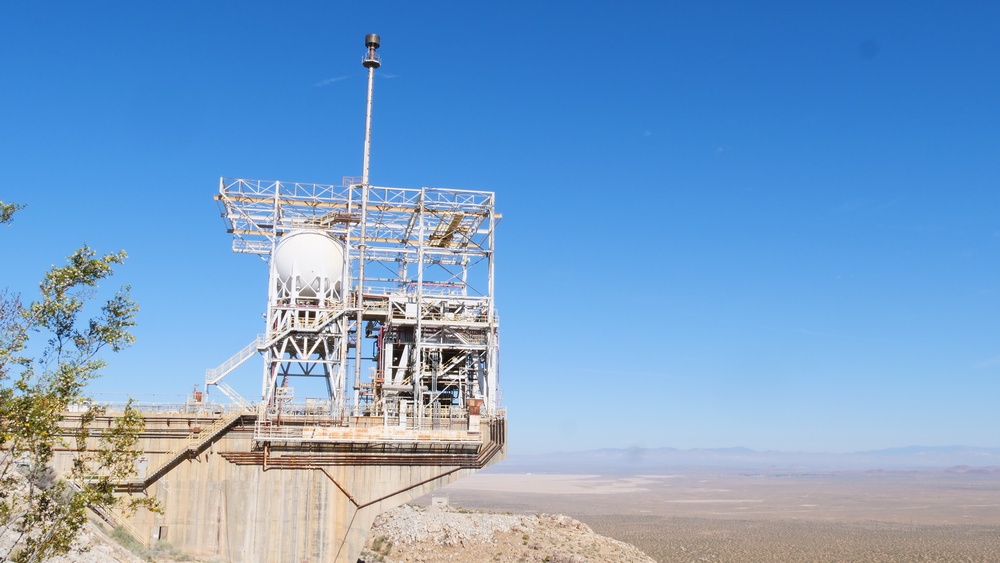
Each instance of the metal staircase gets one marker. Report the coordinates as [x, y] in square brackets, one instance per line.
[213, 376]
[190, 445]
[112, 517]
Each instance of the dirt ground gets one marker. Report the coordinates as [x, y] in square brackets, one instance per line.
[780, 516]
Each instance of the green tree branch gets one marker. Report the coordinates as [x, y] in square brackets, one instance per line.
[42, 512]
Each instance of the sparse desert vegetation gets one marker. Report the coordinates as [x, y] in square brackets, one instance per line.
[778, 516]
[707, 539]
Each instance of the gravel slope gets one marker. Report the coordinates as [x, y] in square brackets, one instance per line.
[438, 534]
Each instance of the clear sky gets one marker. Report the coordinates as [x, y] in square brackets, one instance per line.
[762, 224]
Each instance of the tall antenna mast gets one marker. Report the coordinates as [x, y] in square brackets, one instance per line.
[371, 62]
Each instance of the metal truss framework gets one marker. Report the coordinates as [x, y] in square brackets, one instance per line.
[419, 293]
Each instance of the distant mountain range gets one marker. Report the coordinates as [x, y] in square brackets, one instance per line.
[639, 460]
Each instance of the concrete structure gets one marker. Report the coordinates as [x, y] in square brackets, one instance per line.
[339, 434]
[227, 498]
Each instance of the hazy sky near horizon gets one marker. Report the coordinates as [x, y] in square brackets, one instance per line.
[762, 224]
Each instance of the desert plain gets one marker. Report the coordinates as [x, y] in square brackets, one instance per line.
[769, 515]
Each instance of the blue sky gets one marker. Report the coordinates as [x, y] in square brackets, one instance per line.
[771, 224]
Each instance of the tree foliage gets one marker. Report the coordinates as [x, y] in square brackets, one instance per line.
[40, 513]
[7, 211]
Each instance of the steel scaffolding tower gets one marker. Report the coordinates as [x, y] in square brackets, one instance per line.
[426, 299]
[406, 273]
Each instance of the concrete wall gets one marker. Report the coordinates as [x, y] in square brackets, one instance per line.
[248, 513]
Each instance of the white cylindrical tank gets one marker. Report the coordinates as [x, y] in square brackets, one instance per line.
[309, 264]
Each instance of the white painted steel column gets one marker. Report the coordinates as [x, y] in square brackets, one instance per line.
[371, 62]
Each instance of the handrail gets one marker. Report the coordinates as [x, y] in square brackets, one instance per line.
[116, 520]
[233, 395]
[192, 443]
[313, 325]
[214, 375]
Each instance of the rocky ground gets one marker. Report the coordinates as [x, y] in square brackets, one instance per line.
[92, 545]
[95, 546]
[438, 534]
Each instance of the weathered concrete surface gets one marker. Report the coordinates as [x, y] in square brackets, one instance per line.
[317, 508]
